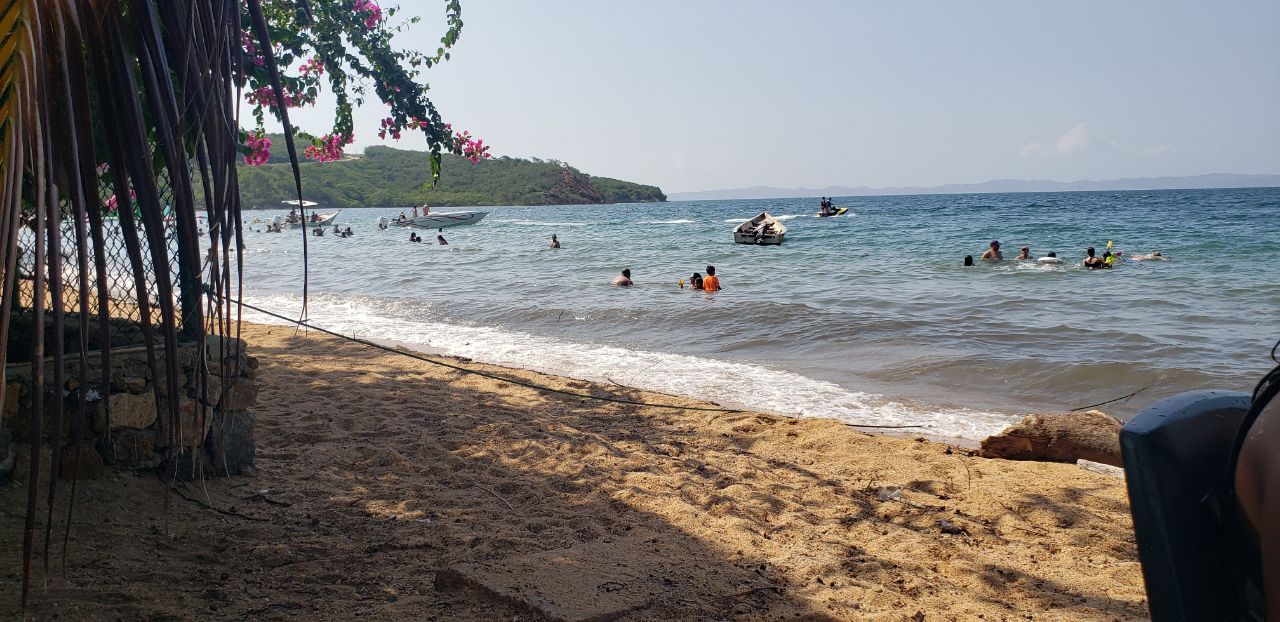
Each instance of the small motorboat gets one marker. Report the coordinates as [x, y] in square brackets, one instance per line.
[298, 216]
[321, 220]
[436, 221]
[763, 229]
[835, 212]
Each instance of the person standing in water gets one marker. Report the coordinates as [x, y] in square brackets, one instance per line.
[1024, 254]
[993, 253]
[624, 279]
[1092, 261]
[711, 283]
[440, 237]
[554, 242]
[695, 281]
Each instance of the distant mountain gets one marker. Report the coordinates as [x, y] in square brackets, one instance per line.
[1220, 180]
[394, 177]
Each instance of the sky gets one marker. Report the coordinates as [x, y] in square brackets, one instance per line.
[711, 94]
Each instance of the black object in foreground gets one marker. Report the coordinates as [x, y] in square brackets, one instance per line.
[1196, 565]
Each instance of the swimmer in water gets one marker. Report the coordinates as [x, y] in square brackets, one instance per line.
[554, 242]
[711, 283]
[1153, 256]
[968, 260]
[695, 281]
[1024, 254]
[993, 253]
[1093, 262]
[624, 279]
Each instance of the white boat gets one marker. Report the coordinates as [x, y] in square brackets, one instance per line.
[436, 221]
[300, 207]
[322, 220]
[763, 229]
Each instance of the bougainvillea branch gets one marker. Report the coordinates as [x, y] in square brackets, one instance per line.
[345, 46]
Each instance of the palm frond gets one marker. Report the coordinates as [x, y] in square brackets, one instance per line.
[144, 89]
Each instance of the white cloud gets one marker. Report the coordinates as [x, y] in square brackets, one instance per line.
[1031, 149]
[1075, 140]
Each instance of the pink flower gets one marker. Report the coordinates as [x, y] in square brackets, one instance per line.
[251, 50]
[329, 149]
[260, 148]
[264, 96]
[470, 148]
[312, 65]
[372, 13]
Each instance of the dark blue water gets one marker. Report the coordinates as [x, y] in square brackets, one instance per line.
[869, 317]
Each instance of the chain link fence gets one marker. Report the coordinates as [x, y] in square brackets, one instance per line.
[122, 284]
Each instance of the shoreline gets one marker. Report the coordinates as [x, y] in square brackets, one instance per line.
[740, 407]
[394, 489]
[736, 384]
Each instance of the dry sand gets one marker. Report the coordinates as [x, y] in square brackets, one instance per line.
[381, 472]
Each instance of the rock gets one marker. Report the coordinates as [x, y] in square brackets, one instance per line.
[88, 466]
[1090, 435]
[230, 447]
[7, 456]
[132, 449]
[132, 411]
[214, 390]
[22, 465]
[194, 422]
[226, 349]
[217, 345]
[12, 400]
[241, 394]
[129, 383]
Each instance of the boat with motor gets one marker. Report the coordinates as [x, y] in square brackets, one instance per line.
[763, 229]
[436, 221]
[298, 217]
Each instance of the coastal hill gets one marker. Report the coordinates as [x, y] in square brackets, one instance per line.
[384, 176]
[994, 186]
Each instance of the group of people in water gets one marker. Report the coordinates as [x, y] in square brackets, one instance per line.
[1092, 260]
[414, 237]
[338, 231]
[697, 282]
[826, 207]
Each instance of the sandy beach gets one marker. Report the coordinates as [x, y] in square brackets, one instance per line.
[389, 489]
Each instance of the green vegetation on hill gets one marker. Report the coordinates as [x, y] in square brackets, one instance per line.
[395, 177]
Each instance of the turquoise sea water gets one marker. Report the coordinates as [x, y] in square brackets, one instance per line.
[869, 317]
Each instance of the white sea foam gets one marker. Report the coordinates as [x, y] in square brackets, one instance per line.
[681, 221]
[538, 223]
[725, 382]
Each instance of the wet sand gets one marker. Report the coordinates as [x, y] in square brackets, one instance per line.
[375, 473]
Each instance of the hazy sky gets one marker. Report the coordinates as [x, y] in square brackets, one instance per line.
[695, 95]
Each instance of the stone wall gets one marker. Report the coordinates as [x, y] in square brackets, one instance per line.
[127, 424]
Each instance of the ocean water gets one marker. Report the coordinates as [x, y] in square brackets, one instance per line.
[869, 318]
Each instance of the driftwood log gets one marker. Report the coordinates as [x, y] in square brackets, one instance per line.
[1089, 435]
